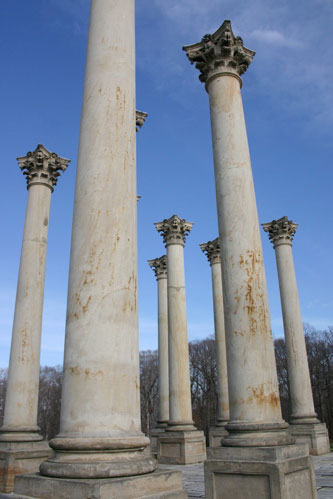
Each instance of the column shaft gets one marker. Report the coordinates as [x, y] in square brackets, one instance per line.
[23, 376]
[302, 406]
[221, 354]
[163, 357]
[100, 409]
[179, 373]
[253, 392]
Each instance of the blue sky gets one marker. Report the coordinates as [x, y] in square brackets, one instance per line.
[287, 96]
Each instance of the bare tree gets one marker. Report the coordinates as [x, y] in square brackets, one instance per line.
[148, 390]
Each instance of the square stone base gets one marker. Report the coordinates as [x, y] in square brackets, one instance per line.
[216, 433]
[282, 472]
[315, 435]
[20, 457]
[156, 485]
[155, 433]
[181, 447]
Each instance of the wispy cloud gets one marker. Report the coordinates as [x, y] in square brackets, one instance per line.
[275, 38]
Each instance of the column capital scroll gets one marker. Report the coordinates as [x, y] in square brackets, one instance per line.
[280, 231]
[220, 53]
[159, 266]
[42, 167]
[174, 230]
[212, 251]
[140, 119]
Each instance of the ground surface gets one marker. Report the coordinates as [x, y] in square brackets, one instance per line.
[193, 477]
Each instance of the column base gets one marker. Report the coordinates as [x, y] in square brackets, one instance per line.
[283, 472]
[315, 435]
[155, 433]
[187, 447]
[216, 433]
[156, 485]
[20, 457]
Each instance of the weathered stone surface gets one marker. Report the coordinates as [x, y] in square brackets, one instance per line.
[216, 433]
[20, 457]
[266, 473]
[212, 250]
[313, 434]
[159, 266]
[155, 485]
[303, 417]
[178, 447]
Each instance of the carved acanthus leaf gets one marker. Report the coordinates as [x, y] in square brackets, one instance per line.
[212, 251]
[42, 167]
[174, 230]
[220, 52]
[159, 266]
[280, 231]
[140, 119]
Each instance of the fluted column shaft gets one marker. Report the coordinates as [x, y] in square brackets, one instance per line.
[20, 416]
[281, 233]
[100, 412]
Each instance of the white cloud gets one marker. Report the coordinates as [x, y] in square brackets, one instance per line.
[274, 37]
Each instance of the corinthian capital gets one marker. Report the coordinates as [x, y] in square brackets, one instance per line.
[140, 119]
[42, 167]
[159, 266]
[280, 231]
[221, 52]
[212, 251]
[174, 230]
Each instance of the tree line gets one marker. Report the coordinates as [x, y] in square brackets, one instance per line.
[203, 373]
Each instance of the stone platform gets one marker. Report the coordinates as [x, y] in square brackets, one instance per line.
[194, 482]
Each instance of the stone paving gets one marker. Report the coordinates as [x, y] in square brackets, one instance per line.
[193, 477]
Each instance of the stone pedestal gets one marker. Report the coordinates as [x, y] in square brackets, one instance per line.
[212, 250]
[20, 431]
[181, 447]
[255, 412]
[20, 457]
[174, 231]
[134, 487]
[259, 473]
[216, 433]
[313, 434]
[303, 419]
[154, 436]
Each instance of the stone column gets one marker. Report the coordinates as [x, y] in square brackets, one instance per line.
[304, 423]
[212, 251]
[184, 444]
[159, 266]
[100, 429]
[255, 412]
[21, 445]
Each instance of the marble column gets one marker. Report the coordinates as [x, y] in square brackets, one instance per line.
[159, 266]
[304, 423]
[100, 443]
[256, 424]
[212, 251]
[182, 443]
[21, 446]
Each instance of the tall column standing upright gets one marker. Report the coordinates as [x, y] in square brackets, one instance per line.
[21, 445]
[304, 423]
[255, 412]
[159, 266]
[212, 251]
[100, 429]
[182, 443]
